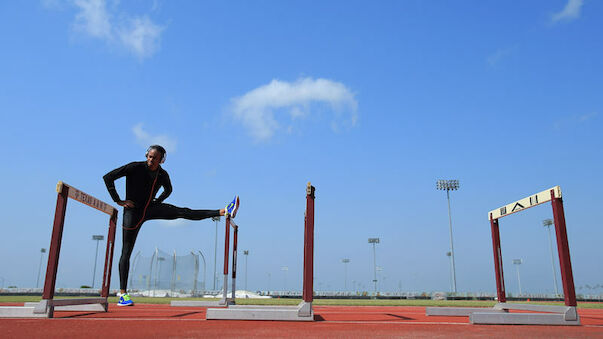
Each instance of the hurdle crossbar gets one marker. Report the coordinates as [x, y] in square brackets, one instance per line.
[47, 306]
[301, 312]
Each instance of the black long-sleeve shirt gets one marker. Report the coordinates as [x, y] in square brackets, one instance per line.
[139, 181]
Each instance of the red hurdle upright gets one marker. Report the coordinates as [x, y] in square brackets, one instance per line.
[308, 293]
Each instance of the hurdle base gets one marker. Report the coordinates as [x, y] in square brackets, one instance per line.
[459, 311]
[45, 308]
[200, 303]
[301, 312]
[20, 312]
[521, 319]
[100, 307]
[499, 314]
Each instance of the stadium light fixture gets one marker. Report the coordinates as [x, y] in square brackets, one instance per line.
[450, 185]
[285, 269]
[204, 267]
[42, 251]
[345, 262]
[518, 262]
[246, 253]
[374, 241]
[548, 223]
[96, 238]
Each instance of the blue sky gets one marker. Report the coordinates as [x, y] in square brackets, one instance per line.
[370, 101]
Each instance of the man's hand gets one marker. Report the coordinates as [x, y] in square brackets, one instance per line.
[126, 203]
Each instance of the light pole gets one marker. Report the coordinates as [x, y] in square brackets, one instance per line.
[204, 266]
[374, 241]
[448, 254]
[285, 269]
[381, 277]
[42, 251]
[246, 253]
[518, 262]
[217, 220]
[97, 238]
[158, 277]
[269, 276]
[345, 262]
[547, 223]
[450, 185]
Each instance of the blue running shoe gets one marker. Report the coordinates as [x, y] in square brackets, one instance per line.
[233, 207]
[125, 300]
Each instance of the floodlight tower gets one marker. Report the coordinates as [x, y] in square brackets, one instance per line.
[518, 262]
[97, 238]
[450, 185]
[42, 251]
[345, 262]
[547, 223]
[246, 253]
[374, 241]
[285, 269]
[204, 267]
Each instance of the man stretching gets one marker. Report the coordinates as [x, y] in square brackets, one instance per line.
[143, 180]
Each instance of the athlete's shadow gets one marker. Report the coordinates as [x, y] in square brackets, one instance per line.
[399, 316]
[185, 314]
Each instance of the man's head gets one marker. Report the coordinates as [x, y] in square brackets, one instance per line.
[155, 156]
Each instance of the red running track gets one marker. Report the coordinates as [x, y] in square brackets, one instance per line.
[163, 321]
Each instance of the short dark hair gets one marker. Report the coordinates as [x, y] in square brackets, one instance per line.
[159, 149]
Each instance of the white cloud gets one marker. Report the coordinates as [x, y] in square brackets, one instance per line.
[570, 12]
[257, 109]
[142, 36]
[145, 139]
[137, 34]
[93, 18]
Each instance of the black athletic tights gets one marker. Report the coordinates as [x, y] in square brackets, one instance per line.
[155, 210]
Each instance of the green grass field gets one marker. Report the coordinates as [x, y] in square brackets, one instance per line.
[324, 302]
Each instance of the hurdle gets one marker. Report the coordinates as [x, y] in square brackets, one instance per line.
[547, 315]
[303, 311]
[225, 301]
[48, 305]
